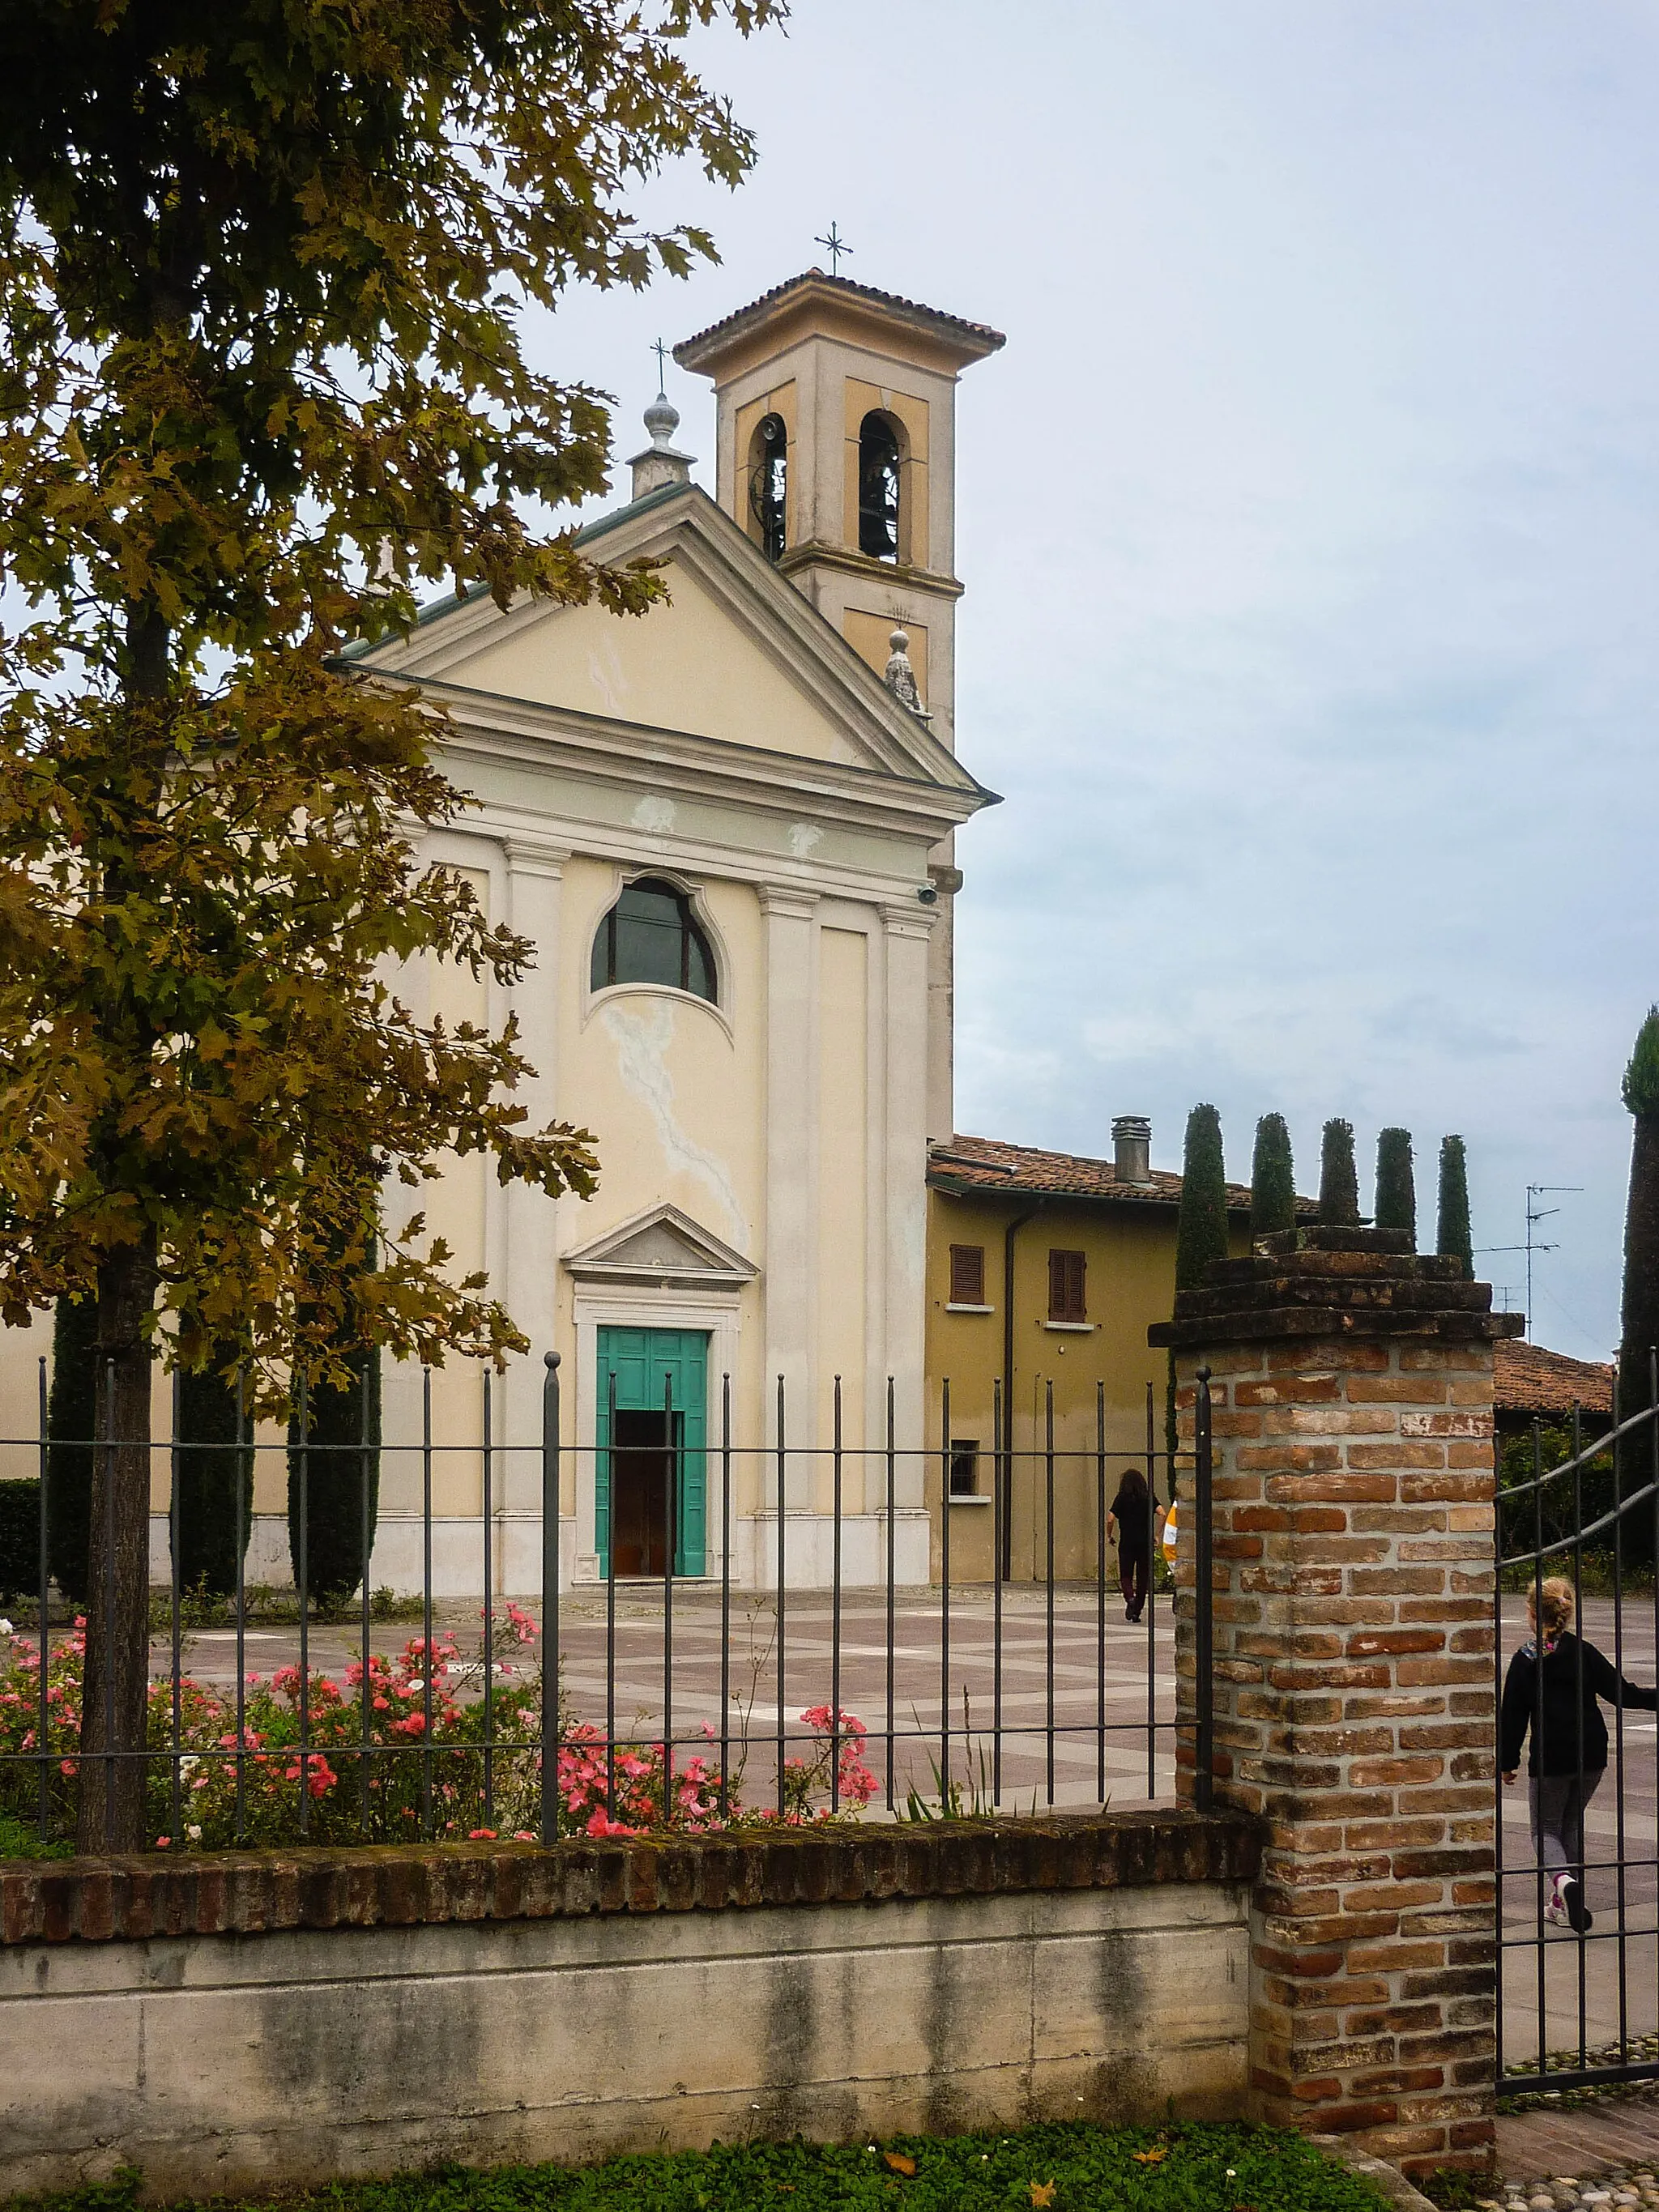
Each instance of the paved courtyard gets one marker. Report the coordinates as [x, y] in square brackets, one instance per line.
[1085, 1738]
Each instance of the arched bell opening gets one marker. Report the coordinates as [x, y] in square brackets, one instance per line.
[881, 477]
[769, 483]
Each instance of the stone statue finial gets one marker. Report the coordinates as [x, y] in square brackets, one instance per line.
[660, 463]
[898, 675]
[662, 419]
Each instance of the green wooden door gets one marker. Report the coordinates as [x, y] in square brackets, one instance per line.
[656, 1368]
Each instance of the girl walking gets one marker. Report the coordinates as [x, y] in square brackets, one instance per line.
[1129, 1525]
[1554, 1689]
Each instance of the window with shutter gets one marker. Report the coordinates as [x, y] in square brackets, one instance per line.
[966, 1274]
[1066, 1297]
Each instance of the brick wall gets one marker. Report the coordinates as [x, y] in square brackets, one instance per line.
[1353, 1583]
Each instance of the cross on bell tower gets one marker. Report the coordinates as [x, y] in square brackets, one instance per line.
[836, 247]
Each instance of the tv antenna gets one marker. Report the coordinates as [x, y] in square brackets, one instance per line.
[1535, 1213]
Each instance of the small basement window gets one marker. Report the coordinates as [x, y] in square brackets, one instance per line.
[964, 1466]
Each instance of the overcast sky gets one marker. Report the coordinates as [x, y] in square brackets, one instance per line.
[1308, 524]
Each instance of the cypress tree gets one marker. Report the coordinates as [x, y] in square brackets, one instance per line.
[339, 1466]
[1639, 1316]
[1201, 1218]
[216, 1463]
[1452, 1238]
[1201, 1225]
[1273, 1178]
[1338, 1179]
[1396, 1187]
[71, 1413]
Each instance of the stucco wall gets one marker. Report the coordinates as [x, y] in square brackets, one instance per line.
[1130, 1284]
[222, 2060]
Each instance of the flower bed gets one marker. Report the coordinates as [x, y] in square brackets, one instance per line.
[402, 1754]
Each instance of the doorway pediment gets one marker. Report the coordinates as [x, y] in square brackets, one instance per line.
[663, 1247]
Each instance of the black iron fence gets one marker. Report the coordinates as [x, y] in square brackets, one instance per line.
[765, 1686]
[1577, 1811]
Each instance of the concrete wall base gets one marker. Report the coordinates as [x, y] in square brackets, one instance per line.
[222, 2061]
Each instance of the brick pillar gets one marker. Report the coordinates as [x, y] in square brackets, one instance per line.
[1353, 1620]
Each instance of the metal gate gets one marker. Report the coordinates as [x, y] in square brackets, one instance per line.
[1577, 1842]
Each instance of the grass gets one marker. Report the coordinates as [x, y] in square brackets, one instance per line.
[20, 1840]
[1449, 2191]
[268, 1606]
[1072, 2166]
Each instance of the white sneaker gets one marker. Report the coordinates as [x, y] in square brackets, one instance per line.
[1556, 1913]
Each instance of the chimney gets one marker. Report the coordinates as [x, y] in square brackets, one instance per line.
[1131, 1147]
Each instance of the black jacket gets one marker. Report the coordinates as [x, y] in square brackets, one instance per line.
[1569, 1718]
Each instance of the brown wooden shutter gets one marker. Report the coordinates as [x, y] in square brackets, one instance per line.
[1067, 1299]
[966, 1274]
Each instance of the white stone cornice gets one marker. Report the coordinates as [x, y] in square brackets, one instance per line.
[912, 921]
[534, 856]
[787, 899]
[681, 764]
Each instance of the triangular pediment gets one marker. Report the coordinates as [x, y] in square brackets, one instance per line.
[735, 653]
[663, 1246]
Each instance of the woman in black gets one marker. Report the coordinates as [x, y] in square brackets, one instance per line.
[1129, 1524]
[1569, 1753]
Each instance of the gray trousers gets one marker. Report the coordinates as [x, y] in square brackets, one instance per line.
[1557, 1802]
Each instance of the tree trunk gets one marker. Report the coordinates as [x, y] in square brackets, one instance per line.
[114, 1707]
[115, 1700]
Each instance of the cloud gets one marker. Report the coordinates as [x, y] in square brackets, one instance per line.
[1309, 528]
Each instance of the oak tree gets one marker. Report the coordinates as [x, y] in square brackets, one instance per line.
[264, 276]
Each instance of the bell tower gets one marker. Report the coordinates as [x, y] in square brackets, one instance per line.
[836, 454]
[836, 425]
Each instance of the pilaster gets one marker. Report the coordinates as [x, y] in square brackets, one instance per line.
[792, 1151]
[1354, 1594]
[907, 932]
[535, 872]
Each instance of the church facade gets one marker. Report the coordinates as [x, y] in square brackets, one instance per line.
[727, 827]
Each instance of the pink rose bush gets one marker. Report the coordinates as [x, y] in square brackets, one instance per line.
[397, 1755]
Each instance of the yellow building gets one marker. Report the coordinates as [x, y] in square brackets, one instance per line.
[1044, 1270]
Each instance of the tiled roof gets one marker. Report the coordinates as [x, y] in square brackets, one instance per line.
[989, 339]
[983, 1163]
[1528, 1379]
